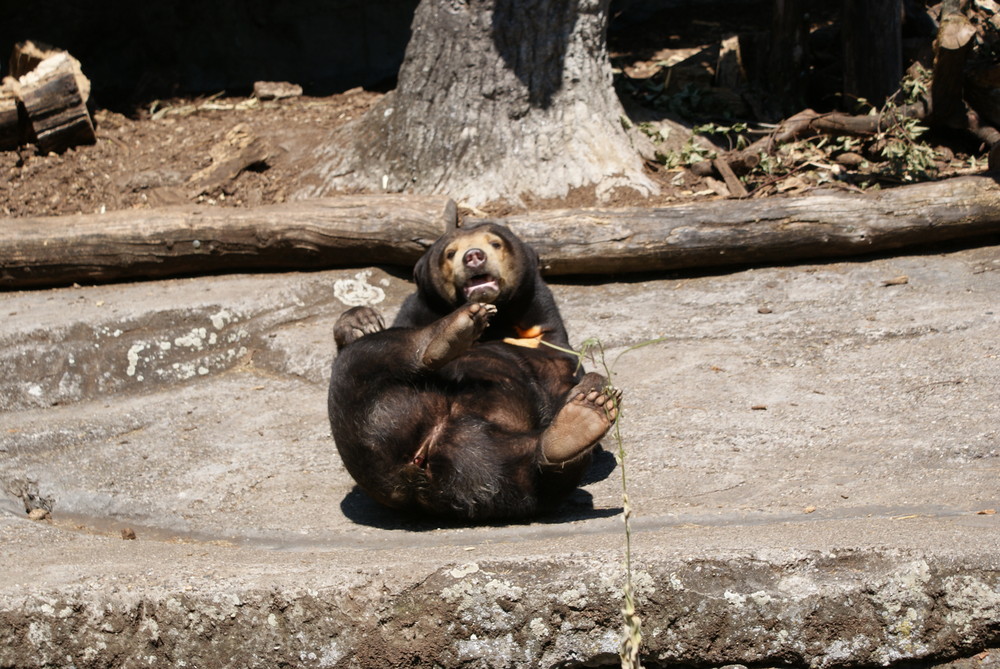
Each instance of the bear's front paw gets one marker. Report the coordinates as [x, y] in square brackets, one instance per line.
[452, 336]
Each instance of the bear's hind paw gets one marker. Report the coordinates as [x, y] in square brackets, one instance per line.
[355, 323]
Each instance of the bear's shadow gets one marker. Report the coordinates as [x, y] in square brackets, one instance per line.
[363, 510]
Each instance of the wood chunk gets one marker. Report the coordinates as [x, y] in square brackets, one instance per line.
[733, 183]
[276, 90]
[28, 55]
[951, 50]
[53, 91]
[240, 149]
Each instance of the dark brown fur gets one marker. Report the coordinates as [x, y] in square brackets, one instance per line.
[441, 412]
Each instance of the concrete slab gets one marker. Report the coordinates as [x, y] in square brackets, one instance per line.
[812, 457]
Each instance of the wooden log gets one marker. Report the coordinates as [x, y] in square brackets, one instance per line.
[396, 229]
[951, 50]
[329, 232]
[55, 105]
[28, 55]
[773, 230]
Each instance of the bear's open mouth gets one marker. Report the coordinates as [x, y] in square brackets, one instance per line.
[481, 285]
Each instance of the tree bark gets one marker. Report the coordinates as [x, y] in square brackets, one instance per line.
[873, 49]
[183, 240]
[496, 100]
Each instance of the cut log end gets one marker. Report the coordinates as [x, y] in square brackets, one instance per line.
[44, 102]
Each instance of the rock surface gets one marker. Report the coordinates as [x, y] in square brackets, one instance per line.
[812, 456]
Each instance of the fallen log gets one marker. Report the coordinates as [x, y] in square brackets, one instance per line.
[396, 229]
[821, 224]
[329, 232]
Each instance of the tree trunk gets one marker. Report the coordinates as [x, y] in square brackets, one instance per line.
[873, 49]
[497, 100]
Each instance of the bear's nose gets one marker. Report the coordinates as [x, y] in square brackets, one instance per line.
[474, 258]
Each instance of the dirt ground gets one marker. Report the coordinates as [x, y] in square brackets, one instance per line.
[147, 159]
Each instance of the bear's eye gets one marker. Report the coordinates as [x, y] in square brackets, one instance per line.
[449, 254]
[496, 245]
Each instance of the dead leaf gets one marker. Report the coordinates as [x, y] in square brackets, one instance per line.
[809, 509]
[897, 281]
[986, 512]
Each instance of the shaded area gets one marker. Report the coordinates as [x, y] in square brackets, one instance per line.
[363, 510]
[136, 52]
[524, 36]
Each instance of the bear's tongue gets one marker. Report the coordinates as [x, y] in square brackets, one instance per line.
[482, 285]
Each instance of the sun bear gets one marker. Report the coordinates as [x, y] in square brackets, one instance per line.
[459, 409]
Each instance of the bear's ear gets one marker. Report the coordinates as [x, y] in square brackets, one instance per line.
[421, 269]
[427, 271]
[533, 259]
